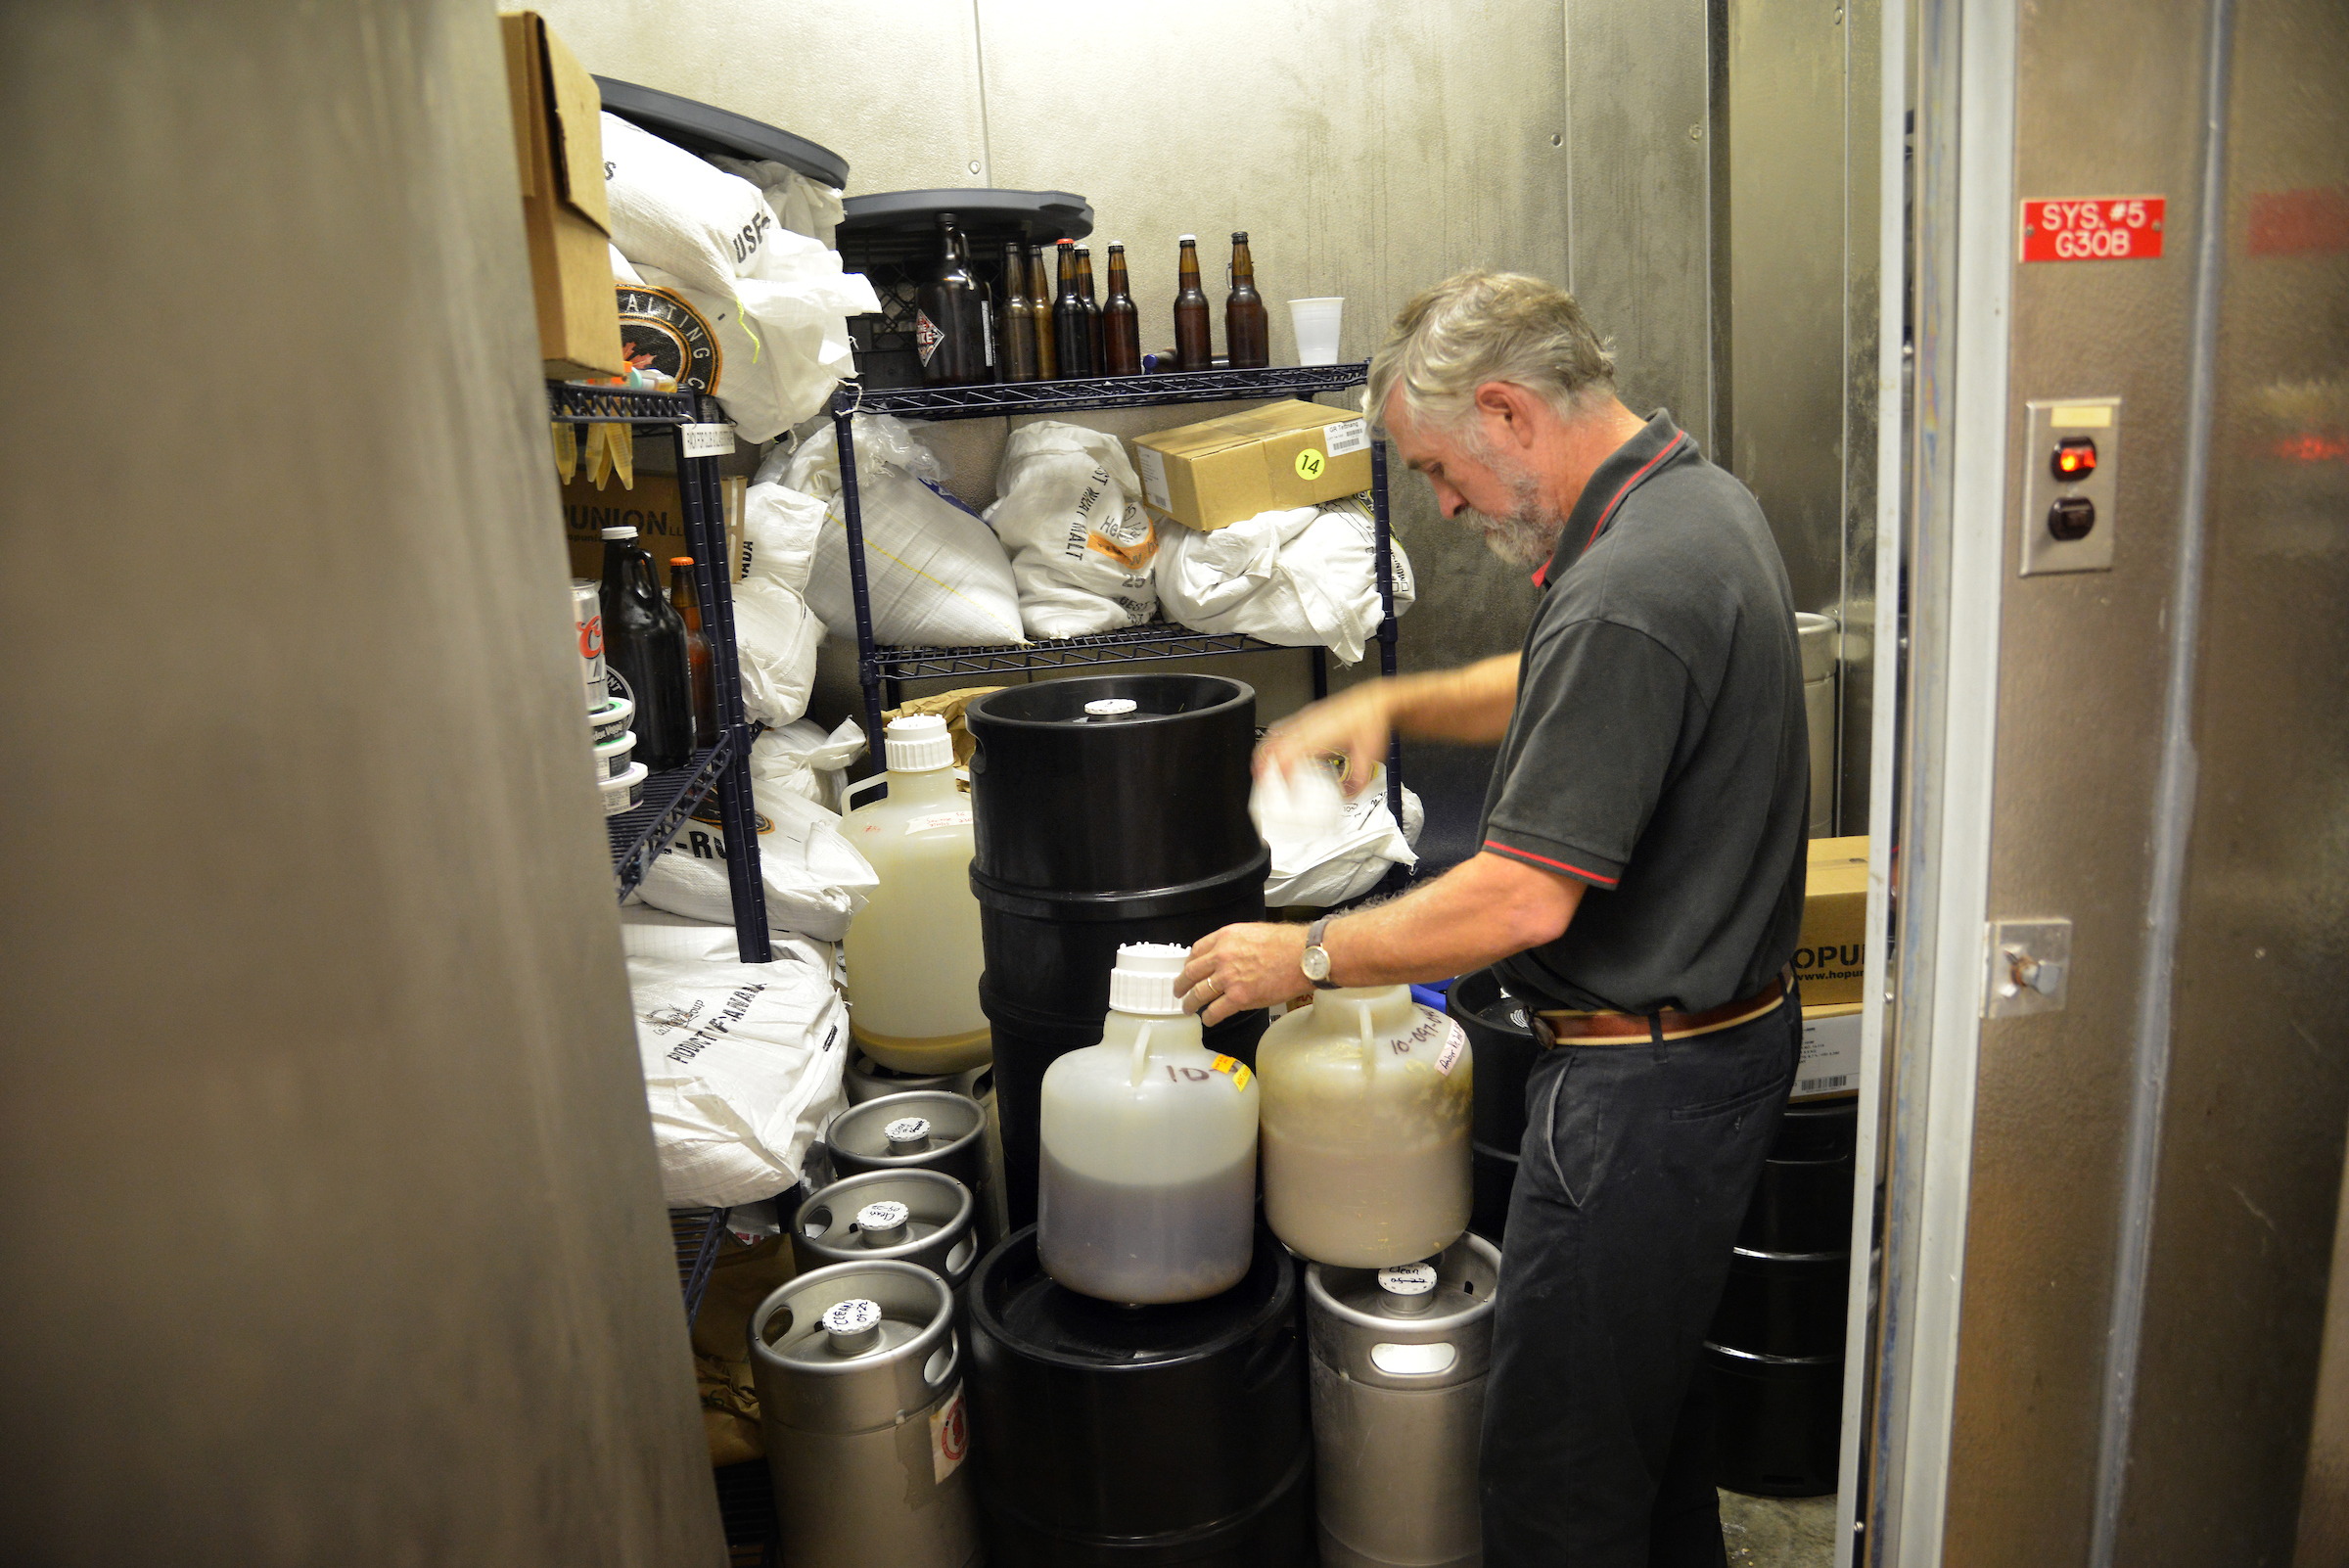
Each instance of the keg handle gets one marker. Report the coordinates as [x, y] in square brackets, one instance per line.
[849, 795]
[1140, 1066]
[945, 1376]
[1361, 1022]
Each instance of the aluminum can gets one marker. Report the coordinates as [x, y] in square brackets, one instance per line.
[587, 608]
[859, 1380]
[1399, 1357]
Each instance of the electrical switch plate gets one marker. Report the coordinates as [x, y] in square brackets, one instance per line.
[2099, 419]
[2029, 969]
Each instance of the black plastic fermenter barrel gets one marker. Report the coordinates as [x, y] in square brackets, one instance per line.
[1110, 1435]
[1106, 810]
[1775, 1346]
[1500, 1031]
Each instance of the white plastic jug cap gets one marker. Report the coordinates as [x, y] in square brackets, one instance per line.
[621, 533]
[1111, 707]
[1143, 979]
[887, 1215]
[918, 743]
[1406, 1279]
[908, 1129]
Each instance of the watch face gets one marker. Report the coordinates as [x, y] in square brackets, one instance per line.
[1315, 964]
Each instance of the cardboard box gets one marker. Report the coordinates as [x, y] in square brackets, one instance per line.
[1831, 958]
[1830, 1064]
[652, 510]
[1225, 471]
[559, 142]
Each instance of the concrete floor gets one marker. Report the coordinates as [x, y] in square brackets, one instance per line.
[1778, 1532]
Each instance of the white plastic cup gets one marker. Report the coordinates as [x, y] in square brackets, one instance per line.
[1316, 324]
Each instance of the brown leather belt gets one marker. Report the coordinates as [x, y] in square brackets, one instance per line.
[1635, 1028]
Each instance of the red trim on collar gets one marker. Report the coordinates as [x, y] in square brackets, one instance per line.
[1670, 447]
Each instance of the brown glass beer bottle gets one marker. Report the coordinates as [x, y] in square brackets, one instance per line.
[1018, 318]
[1072, 328]
[1039, 295]
[1092, 306]
[1193, 345]
[1247, 333]
[1121, 322]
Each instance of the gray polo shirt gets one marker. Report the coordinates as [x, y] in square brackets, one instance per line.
[1658, 750]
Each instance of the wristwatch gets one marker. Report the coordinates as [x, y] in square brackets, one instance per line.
[1315, 962]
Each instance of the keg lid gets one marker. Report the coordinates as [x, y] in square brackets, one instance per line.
[1408, 1290]
[853, 1327]
[1111, 707]
[908, 1129]
[876, 1128]
[1144, 979]
[918, 743]
[881, 1221]
[621, 533]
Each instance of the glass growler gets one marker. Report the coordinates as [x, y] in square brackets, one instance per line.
[644, 644]
[952, 331]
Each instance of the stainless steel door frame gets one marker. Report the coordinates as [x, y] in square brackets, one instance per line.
[1954, 551]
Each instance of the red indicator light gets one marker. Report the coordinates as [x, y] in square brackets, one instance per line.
[2075, 457]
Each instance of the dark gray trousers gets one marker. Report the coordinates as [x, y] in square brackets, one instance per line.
[1637, 1165]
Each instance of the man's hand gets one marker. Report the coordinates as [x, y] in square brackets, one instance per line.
[1243, 967]
[1353, 723]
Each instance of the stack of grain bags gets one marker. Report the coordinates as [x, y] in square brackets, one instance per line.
[727, 279]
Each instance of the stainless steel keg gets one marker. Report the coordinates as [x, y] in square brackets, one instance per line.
[867, 1080]
[915, 1217]
[1399, 1362]
[927, 1130]
[859, 1382]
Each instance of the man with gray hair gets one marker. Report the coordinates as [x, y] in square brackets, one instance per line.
[1639, 885]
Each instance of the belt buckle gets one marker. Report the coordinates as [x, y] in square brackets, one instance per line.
[1544, 1035]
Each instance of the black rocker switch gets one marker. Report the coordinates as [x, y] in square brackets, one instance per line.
[2071, 518]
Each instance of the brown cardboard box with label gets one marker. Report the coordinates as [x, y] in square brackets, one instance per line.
[559, 140]
[1831, 958]
[652, 510]
[1225, 471]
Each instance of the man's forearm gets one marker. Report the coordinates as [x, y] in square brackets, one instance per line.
[1470, 705]
[1477, 912]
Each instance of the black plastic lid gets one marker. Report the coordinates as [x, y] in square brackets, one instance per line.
[703, 128]
[1016, 1303]
[1040, 216]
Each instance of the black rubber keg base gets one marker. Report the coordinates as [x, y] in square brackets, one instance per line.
[1274, 1533]
[1777, 1424]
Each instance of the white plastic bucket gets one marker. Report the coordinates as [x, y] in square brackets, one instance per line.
[612, 756]
[1316, 323]
[611, 722]
[623, 792]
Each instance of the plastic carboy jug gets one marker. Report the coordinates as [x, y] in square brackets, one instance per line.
[1366, 1107]
[1148, 1188]
[913, 950]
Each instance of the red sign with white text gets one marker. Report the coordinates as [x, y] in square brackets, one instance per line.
[2093, 228]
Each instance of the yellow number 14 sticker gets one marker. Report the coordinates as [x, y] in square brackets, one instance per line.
[1310, 463]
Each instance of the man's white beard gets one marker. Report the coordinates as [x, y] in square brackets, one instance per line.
[1528, 532]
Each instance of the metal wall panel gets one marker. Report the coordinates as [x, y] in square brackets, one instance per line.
[2258, 1092]
[1639, 194]
[328, 1204]
[2080, 710]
